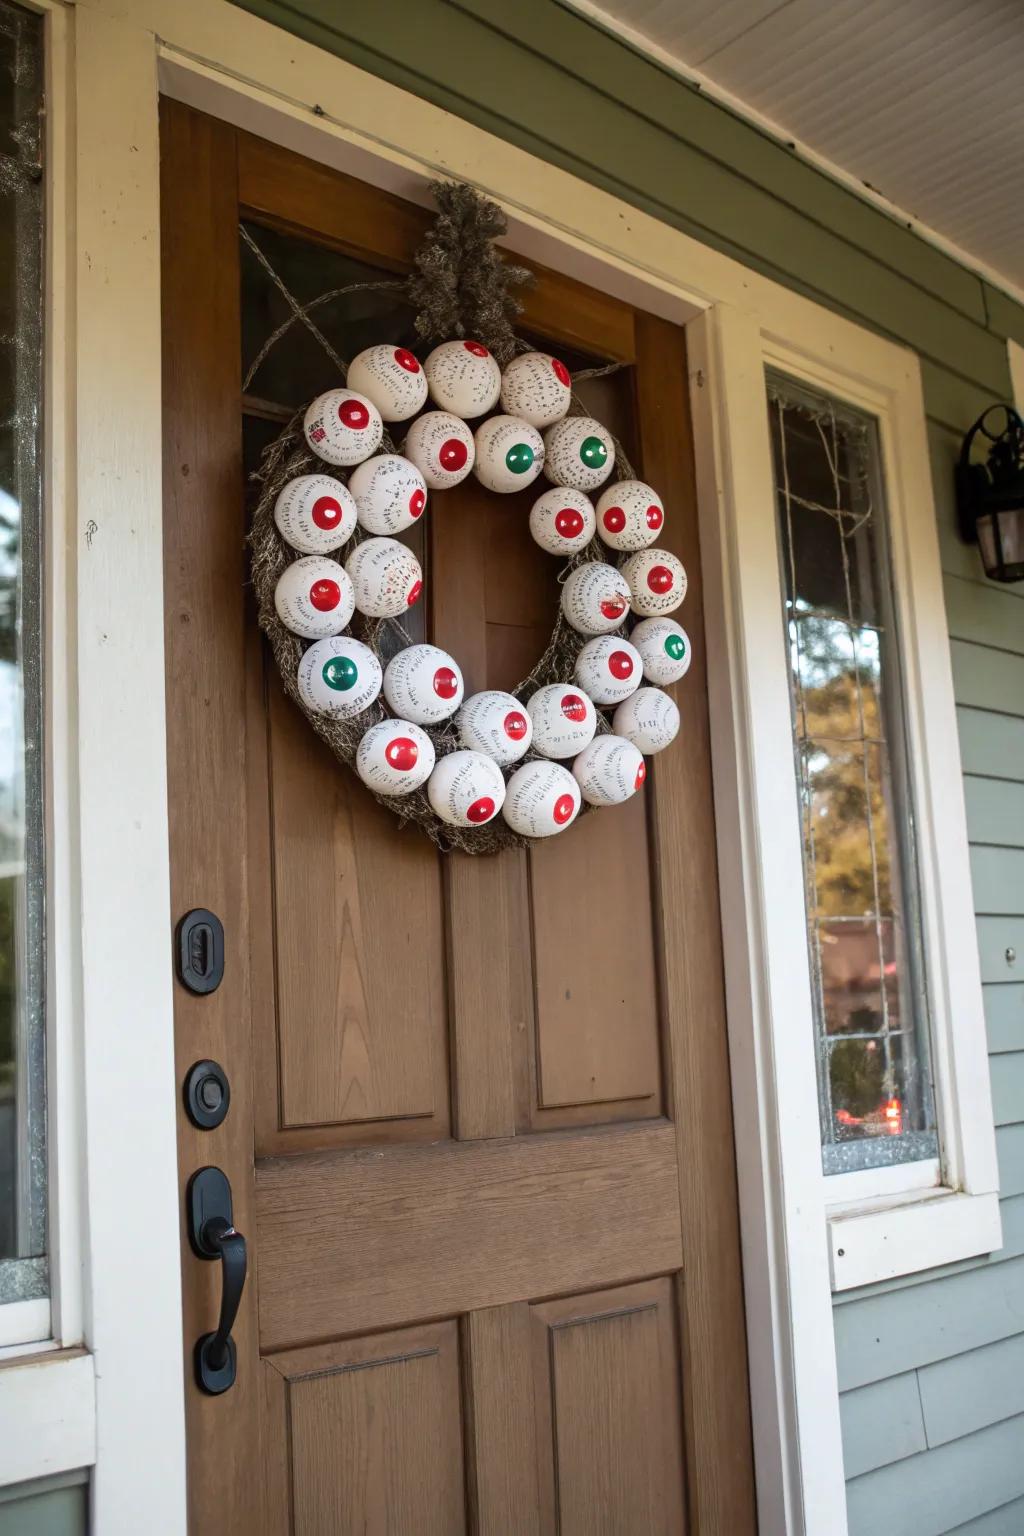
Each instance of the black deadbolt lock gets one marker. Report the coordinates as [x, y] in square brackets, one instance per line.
[199, 951]
[207, 1094]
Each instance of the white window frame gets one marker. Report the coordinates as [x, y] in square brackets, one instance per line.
[880, 1222]
[57, 1317]
[47, 1380]
[118, 1061]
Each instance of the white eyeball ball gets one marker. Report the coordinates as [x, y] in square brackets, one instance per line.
[595, 598]
[580, 453]
[423, 683]
[315, 514]
[657, 581]
[343, 427]
[442, 449]
[466, 789]
[509, 454]
[386, 577]
[648, 718]
[562, 521]
[564, 720]
[609, 669]
[463, 378]
[541, 799]
[496, 724]
[390, 493]
[665, 649]
[536, 387]
[314, 597]
[391, 377]
[629, 515]
[395, 757]
[609, 771]
[339, 676]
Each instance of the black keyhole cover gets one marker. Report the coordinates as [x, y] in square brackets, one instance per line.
[199, 951]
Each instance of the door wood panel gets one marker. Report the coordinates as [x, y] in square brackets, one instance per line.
[442, 1230]
[369, 993]
[608, 1412]
[480, 1137]
[372, 1434]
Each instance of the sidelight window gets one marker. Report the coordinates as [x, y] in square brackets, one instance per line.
[23, 1263]
[869, 990]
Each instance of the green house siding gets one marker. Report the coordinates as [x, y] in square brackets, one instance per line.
[54, 1506]
[931, 1367]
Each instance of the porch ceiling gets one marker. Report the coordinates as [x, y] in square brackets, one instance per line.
[922, 100]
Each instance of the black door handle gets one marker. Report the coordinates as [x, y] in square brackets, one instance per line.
[212, 1234]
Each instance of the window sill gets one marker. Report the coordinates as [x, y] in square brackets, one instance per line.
[902, 1234]
[24, 1323]
[48, 1409]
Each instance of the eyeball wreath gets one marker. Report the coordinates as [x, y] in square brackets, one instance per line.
[494, 769]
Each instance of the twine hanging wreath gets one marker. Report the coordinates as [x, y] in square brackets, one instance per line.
[498, 769]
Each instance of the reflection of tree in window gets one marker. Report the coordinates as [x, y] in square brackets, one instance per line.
[850, 747]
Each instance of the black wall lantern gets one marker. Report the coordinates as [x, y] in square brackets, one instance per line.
[990, 496]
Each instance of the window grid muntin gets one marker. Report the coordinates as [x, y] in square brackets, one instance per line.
[858, 436]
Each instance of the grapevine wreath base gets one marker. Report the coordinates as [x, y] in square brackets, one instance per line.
[463, 293]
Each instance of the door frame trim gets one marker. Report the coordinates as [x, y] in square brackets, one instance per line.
[223, 61]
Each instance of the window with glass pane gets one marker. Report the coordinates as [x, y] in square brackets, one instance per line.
[22, 1068]
[876, 1098]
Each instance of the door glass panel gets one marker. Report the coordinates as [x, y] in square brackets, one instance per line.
[863, 900]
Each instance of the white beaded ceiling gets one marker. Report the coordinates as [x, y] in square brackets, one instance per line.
[922, 100]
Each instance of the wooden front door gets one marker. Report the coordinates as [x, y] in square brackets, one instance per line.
[479, 1140]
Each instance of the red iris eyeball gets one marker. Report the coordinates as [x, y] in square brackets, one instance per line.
[569, 523]
[452, 454]
[445, 683]
[354, 415]
[326, 512]
[402, 754]
[325, 595]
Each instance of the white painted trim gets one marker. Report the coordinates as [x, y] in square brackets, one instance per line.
[49, 1414]
[24, 1323]
[715, 91]
[65, 1130]
[133, 1303]
[60, 1315]
[794, 1385]
[224, 60]
[867, 1183]
[1016, 355]
[900, 1239]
